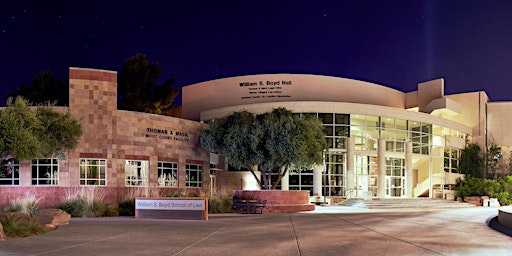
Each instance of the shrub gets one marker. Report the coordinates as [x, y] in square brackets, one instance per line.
[505, 198]
[127, 207]
[501, 189]
[85, 202]
[20, 226]
[28, 205]
[219, 203]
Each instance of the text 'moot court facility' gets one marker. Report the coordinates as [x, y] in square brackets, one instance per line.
[383, 143]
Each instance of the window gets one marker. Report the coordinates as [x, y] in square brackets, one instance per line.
[93, 172]
[45, 172]
[136, 173]
[194, 175]
[167, 174]
[10, 174]
[301, 180]
[451, 160]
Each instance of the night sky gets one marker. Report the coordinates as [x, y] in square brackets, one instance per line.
[393, 43]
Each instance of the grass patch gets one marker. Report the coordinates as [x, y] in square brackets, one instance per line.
[21, 226]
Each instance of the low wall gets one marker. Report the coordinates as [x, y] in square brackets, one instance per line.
[279, 200]
[52, 196]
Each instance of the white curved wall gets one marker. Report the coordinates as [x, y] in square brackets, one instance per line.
[243, 90]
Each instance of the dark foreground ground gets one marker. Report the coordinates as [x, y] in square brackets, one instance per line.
[327, 231]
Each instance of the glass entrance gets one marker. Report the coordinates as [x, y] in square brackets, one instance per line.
[395, 177]
[395, 186]
[365, 176]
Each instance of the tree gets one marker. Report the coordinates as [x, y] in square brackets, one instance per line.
[139, 92]
[27, 133]
[496, 166]
[44, 88]
[275, 142]
[471, 161]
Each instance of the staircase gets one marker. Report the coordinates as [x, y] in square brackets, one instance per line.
[404, 203]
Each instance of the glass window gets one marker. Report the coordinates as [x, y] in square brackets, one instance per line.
[301, 180]
[194, 175]
[372, 121]
[136, 173]
[10, 174]
[451, 160]
[327, 118]
[167, 174]
[357, 120]
[342, 119]
[45, 172]
[388, 122]
[93, 172]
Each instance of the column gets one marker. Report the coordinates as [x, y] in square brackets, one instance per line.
[409, 186]
[381, 168]
[285, 181]
[350, 190]
[317, 180]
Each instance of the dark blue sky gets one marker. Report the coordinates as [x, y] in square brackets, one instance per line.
[393, 43]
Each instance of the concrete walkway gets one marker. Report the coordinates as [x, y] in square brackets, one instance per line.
[326, 231]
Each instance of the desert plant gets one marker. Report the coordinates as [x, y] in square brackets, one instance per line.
[219, 203]
[20, 226]
[134, 192]
[28, 204]
[85, 202]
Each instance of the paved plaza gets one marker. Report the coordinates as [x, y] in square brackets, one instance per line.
[326, 231]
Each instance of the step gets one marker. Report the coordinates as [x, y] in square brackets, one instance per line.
[404, 203]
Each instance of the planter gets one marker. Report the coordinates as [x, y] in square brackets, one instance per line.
[279, 200]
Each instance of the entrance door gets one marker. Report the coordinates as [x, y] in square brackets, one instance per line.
[395, 186]
[361, 186]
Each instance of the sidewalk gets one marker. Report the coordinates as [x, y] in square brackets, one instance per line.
[326, 231]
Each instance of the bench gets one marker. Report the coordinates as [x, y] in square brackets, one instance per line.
[249, 206]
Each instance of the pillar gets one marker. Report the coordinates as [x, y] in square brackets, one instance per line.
[317, 180]
[285, 181]
[350, 178]
[409, 185]
[381, 168]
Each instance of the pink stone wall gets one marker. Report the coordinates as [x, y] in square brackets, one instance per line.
[117, 136]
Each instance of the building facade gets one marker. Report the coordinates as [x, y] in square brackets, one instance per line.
[120, 152]
[383, 143]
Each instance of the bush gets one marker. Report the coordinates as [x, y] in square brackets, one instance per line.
[127, 207]
[219, 204]
[501, 189]
[28, 205]
[505, 198]
[21, 226]
[85, 202]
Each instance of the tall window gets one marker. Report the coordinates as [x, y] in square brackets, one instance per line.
[194, 175]
[45, 171]
[421, 135]
[333, 178]
[136, 173]
[451, 160]
[10, 174]
[93, 172]
[167, 174]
